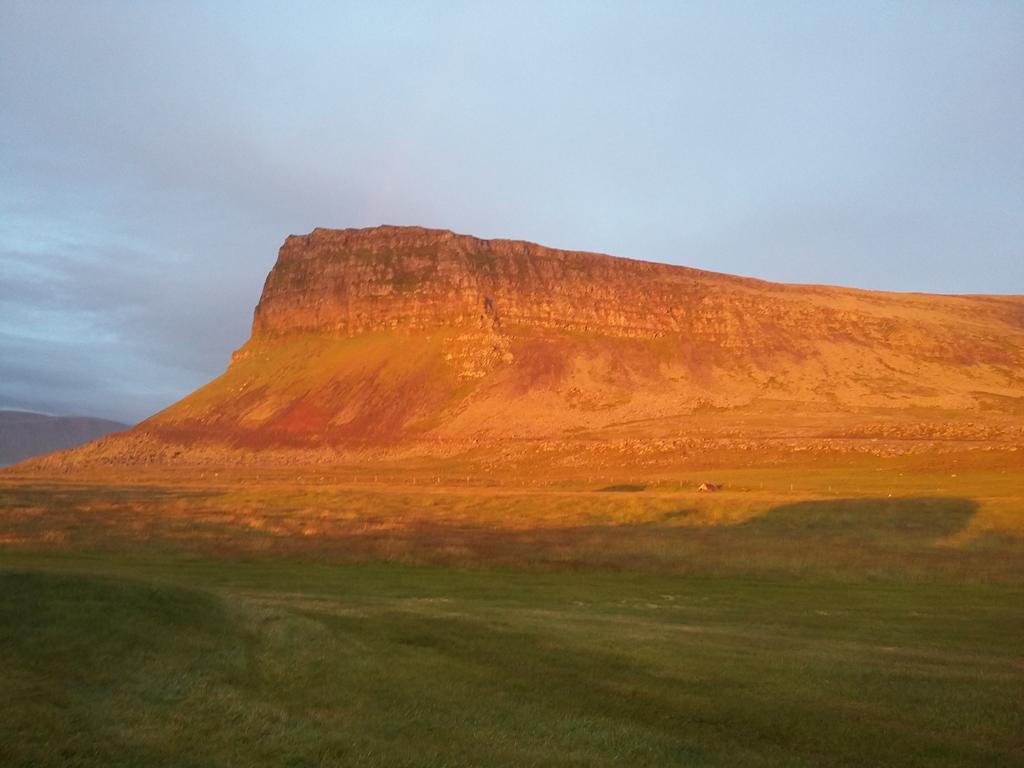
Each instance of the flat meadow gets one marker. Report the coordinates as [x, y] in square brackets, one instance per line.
[857, 614]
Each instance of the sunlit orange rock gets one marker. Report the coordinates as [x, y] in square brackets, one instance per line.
[410, 339]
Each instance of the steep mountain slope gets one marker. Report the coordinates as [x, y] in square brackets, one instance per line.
[400, 336]
[24, 434]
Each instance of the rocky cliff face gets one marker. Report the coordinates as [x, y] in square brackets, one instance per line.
[402, 336]
[349, 282]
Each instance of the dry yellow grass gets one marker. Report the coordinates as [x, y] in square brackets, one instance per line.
[876, 514]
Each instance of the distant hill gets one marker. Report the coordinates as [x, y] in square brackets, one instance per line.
[403, 339]
[24, 434]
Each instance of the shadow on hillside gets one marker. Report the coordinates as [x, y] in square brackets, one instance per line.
[879, 536]
[923, 519]
[866, 536]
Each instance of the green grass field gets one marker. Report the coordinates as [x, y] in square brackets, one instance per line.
[246, 624]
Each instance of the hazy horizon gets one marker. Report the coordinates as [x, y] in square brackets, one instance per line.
[156, 156]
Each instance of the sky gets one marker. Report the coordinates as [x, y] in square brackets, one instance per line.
[154, 156]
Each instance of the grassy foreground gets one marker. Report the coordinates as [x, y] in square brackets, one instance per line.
[149, 661]
[849, 618]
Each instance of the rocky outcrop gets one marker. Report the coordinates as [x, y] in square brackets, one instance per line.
[352, 281]
[348, 282]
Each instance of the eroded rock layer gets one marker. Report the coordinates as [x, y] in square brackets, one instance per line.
[347, 282]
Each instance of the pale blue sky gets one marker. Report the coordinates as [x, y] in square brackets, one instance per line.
[154, 155]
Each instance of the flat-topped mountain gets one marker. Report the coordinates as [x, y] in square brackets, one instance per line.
[400, 336]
